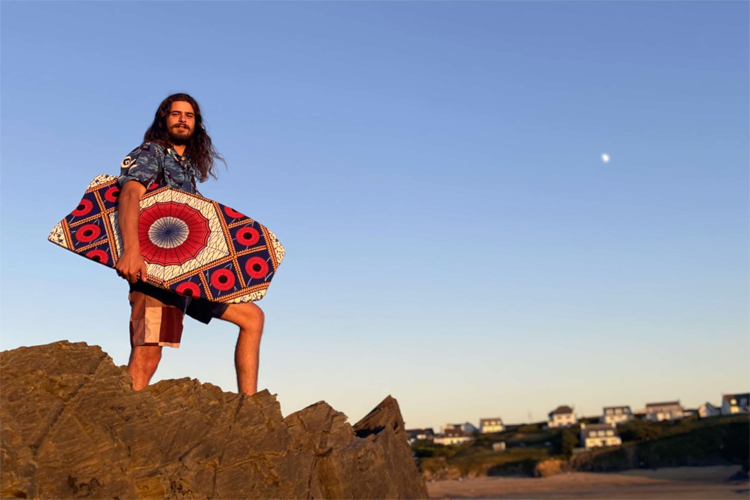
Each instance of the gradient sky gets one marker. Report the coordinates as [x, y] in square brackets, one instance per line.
[434, 172]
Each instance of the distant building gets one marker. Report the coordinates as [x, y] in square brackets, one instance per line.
[498, 446]
[491, 425]
[708, 410]
[670, 410]
[420, 434]
[466, 427]
[734, 403]
[453, 436]
[562, 416]
[599, 435]
[615, 414]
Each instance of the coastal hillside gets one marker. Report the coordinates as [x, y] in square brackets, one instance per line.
[532, 450]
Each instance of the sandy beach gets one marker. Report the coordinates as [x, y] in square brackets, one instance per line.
[667, 483]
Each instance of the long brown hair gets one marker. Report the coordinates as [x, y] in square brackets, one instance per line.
[199, 148]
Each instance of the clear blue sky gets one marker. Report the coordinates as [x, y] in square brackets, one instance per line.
[434, 171]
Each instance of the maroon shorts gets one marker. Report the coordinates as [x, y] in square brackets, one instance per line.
[156, 315]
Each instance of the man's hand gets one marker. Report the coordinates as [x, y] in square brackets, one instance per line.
[131, 266]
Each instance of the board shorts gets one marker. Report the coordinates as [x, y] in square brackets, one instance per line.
[156, 314]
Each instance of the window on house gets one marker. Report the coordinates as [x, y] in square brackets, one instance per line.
[610, 433]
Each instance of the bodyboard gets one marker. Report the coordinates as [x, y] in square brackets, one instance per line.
[191, 245]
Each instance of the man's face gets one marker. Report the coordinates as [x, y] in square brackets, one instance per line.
[180, 122]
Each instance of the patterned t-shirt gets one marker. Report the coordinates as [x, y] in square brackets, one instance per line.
[149, 163]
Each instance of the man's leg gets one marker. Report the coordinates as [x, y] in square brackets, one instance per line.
[155, 321]
[144, 359]
[250, 319]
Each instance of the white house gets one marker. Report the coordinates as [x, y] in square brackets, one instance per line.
[599, 435]
[708, 410]
[670, 410]
[734, 403]
[615, 414]
[491, 425]
[453, 436]
[562, 416]
[466, 427]
[420, 434]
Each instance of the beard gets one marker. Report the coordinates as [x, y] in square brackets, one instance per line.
[180, 138]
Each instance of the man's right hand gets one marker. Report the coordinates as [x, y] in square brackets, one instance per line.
[131, 267]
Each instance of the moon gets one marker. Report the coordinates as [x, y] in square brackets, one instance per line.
[605, 158]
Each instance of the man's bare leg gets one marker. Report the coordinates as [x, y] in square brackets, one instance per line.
[250, 319]
[144, 359]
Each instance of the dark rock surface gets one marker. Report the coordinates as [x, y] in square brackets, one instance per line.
[71, 426]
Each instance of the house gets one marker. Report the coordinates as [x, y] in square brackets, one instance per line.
[615, 414]
[491, 425]
[734, 403]
[599, 435]
[466, 427]
[562, 416]
[498, 446]
[708, 410]
[420, 434]
[453, 436]
[670, 410]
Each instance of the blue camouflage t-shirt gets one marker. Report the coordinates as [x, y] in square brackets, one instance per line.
[149, 163]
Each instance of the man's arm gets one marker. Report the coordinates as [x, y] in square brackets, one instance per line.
[128, 211]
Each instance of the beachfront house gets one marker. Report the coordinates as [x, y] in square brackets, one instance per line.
[491, 425]
[453, 436]
[615, 414]
[599, 435]
[670, 410]
[734, 403]
[466, 427]
[420, 434]
[562, 416]
[499, 446]
[708, 410]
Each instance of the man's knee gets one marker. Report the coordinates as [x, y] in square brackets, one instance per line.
[247, 316]
[253, 316]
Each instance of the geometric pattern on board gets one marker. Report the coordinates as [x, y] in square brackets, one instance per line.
[191, 245]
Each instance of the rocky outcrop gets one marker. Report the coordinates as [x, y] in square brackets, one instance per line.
[73, 427]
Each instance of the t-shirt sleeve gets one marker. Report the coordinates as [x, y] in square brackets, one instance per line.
[143, 164]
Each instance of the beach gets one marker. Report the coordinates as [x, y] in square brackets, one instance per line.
[666, 483]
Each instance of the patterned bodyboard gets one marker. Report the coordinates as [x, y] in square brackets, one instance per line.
[191, 245]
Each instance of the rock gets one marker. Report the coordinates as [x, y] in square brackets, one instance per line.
[549, 467]
[71, 426]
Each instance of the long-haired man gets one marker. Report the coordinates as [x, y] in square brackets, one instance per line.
[176, 150]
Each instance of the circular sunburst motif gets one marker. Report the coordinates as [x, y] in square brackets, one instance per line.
[168, 232]
[172, 233]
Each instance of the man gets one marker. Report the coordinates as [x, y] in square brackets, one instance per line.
[176, 149]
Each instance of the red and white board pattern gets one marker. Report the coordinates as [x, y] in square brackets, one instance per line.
[191, 245]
